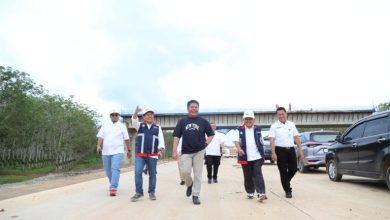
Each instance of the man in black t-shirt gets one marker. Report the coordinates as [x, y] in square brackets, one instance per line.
[193, 130]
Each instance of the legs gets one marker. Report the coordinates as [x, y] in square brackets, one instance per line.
[187, 163]
[216, 162]
[257, 178]
[178, 165]
[112, 165]
[152, 166]
[212, 165]
[248, 180]
[287, 165]
[139, 166]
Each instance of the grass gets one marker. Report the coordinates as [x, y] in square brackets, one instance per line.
[16, 174]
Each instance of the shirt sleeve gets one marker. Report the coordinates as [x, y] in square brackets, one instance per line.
[100, 133]
[161, 142]
[125, 133]
[271, 133]
[295, 131]
[135, 123]
[178, 131]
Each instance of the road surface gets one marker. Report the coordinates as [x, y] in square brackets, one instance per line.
[314, 197]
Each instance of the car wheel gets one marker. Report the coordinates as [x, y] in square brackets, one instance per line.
[332, 171]
[301, 167]
[388, 177]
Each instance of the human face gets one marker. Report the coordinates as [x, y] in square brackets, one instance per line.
[282, 116]
[193, 110]
[114, 117]
[213, 126]
[248, 122]
[148, 117]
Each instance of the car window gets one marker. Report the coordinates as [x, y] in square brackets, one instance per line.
[324, 137]
[355, 132]
[375, 127]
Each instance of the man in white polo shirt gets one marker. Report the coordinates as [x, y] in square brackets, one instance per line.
[283, 137]
[213, 155]
[111, 136]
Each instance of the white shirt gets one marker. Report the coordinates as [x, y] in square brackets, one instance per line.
[283, 133]
[161, 143]
[113, 135]
[214, 148]
[252, 153]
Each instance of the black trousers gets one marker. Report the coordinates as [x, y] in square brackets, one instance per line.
[287, 165]
[253, 176]
[212, 164]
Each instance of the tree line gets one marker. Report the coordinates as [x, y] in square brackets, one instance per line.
[38, 129]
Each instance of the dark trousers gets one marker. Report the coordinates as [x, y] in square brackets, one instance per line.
[253, 176]
[212, 162]
[287, 165]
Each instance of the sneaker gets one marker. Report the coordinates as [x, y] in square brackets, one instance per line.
[195, 200]
[112, 192]
[209, 181]
[261, 197]
[182, 182]
[289, 194]
[189, 190]
[152, 196]
[136, 197]
[215, 180]
[249, 195]
[145, 171]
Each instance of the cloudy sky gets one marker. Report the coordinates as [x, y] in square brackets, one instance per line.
[229, 55]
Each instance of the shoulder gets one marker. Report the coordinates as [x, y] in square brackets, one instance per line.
[290, 123]
[274, 124]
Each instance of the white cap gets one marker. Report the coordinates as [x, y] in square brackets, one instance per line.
[112, 111]
[147, 109]
[248, 114]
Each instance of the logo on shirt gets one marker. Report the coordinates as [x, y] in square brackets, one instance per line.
[192, 127]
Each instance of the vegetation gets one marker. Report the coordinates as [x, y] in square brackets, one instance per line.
[384, 106]
[39, 130]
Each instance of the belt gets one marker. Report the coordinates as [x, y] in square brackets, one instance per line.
[288, 148]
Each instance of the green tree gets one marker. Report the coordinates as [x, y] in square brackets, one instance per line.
[384, 106]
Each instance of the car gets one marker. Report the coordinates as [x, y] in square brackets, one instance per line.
[362, 150]
[266, 144]
[314, 147]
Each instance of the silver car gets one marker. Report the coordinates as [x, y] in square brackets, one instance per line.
[315, 146]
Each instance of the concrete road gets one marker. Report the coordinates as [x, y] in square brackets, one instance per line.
[315, 197]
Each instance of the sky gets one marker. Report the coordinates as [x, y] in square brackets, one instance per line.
[228, 55]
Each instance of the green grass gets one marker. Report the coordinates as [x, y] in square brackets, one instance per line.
[17, 174]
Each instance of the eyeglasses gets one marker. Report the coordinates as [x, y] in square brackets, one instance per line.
[114, 115]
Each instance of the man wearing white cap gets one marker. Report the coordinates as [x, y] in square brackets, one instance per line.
[111, 136]
[251, 156]
[150, 143]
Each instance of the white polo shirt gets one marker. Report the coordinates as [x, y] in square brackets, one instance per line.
[252, 153]
[214, 148]
[113, 135]
[283, 133]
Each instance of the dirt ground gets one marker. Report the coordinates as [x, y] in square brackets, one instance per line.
[314, 197]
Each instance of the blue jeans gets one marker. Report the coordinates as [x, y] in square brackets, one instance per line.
[112, 166]
[152, 169]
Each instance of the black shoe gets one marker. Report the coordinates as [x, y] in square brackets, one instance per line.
[189, 190]
[289, 194]
[195, 200]
[209, 181]
[145, 171]
[136, 197]
[182, 182]
[215, 180]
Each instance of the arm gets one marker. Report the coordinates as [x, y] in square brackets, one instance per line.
[134, 120]
[174, 148]
[99, 145]
[239, 149]
[222, 147]
[297, 140]
[209, 139]
[273, 153]
[161, 142]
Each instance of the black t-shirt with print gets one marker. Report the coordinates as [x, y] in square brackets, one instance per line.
[193, 132]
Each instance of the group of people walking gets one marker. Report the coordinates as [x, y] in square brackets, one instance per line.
[196, 142]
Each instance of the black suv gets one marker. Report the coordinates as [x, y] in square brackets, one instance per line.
[363, 150]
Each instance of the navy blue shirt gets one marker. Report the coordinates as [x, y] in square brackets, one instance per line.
[193, 132]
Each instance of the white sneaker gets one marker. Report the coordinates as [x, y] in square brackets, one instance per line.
[249, 195]
[261, 197]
